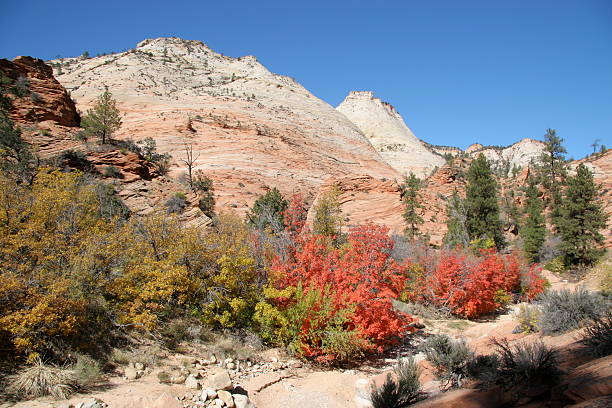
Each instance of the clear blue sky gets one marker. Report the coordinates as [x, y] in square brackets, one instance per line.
[458, 71]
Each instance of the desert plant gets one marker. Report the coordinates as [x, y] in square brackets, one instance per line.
[164, 377]
[564, 310]
[528, 317]
[598, 335]
[177, 203]
[527, 365]
[86, 371]
[40, 380]
[555, 265]
[401, 391]
[484, 369]
[449, 357]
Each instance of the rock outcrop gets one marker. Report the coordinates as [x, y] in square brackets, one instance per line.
[385, 128]
[43, 98]
[504, 159]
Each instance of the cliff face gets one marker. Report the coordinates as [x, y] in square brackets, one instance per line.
[519, 154]
[249, 128]
[44, 98]
[388, 133]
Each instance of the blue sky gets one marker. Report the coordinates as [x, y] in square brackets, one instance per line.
[458, 71]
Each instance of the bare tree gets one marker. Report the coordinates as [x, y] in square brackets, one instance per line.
[190, 162]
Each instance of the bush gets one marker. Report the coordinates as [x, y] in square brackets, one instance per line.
[112, 171]
[528, 317]
[76, 158]
[526, 365]
[563, 310]
[41, 380]
[450, 359]
[598, 336]
[485, 369]
[176, 204]
[86, 371]
[399, 392]
[164, 377]
[555, 265]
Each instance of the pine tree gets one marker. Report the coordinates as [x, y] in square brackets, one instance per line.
[456, 234]
[553, 169]
[410, 197]
[581, 219]
[534, 227]
[268, 211]
[481, 203]
[104, 118]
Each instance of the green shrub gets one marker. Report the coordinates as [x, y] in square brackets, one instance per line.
[564, 310]
[177, 203]
[449, 357]
[528, 317]
[555, 265]
[40, 380]
[401, 392]
[484, 368]
[86, 371]
[526, 365]
[598, 336]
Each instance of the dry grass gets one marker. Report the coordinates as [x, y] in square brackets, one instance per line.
[41, 380]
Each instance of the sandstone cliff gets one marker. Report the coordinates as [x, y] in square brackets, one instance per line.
[388, 133]
[249, 128]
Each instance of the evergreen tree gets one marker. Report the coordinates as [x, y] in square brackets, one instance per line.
[553, 169]
[534, 228]
[268, 211]
[104, 118]
[581, 219]
[328, 216]
[456, 234]
[410, 197]
[481, 203]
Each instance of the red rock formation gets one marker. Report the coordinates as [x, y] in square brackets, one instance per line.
[47, 100]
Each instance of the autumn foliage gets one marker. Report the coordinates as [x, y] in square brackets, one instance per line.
[471, 286]
[359, 280]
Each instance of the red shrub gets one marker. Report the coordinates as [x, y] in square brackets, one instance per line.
[362, 277]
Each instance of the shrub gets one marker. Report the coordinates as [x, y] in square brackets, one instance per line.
[164, 377]
[268, 210]
[35, 97]
[399, 392]
[40, 380]
[485, 369]
[555, 265]
[450, 359]
[21, 87]
[362, 277]
[112, 171]
[528, 317]
[564, 310]
[526, 365]
[86, 371]
[598, 335]
[176, 204]
[76, 158]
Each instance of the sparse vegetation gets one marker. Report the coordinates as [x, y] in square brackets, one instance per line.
[401, 391]
[565, 310]
[176, 204]
[86, 371]
[113, 172]
[40, 379]
[598, 335]
[449, 357]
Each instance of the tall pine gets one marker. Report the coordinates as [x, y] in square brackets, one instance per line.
[553, 170]
[534, 227]
[481, 205]
[410, 197]
[581, 219]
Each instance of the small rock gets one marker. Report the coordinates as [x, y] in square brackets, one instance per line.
[212, 394]
[130, 373]
[220, 380]
[297, 364]
[242, 401]
[178, 378]
[213, 359]
[139, 366]
[231, 366]
[227, 398]
[192, 383]
[218, 403]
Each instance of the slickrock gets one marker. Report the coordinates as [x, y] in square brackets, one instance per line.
[249, 128]
[519, 154]
[385, 128]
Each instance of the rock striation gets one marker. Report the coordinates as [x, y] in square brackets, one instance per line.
[249, 128]
[382, 124]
